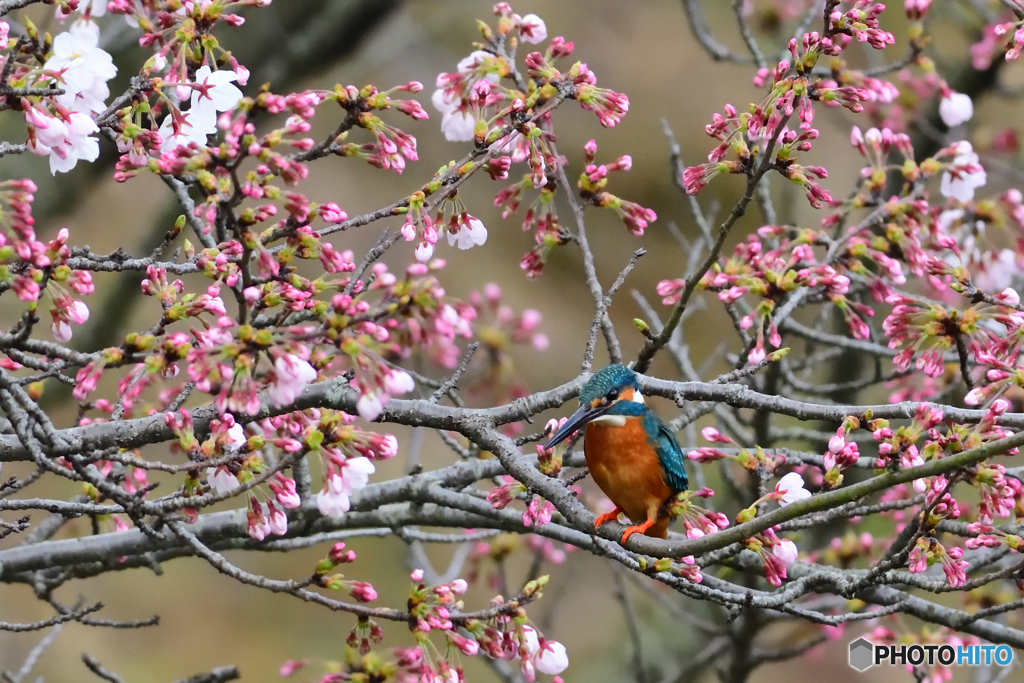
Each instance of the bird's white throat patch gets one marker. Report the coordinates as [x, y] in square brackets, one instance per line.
[610, 420]
[637, 396]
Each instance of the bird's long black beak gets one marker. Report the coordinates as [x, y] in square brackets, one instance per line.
[578, 419]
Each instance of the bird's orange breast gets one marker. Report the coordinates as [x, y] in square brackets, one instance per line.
[626, 467]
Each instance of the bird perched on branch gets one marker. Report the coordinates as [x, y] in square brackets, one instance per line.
[632, 455]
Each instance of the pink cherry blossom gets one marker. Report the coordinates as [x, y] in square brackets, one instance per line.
[61, 330]
[66, 142]
[362, 591]
[278, 522]
[334, 499]
[332, 503]
[398, 382]
[1009, 296]
[284, 491]
[786, 551]
[290, 667]
[221, 480]
[714, 436]
[291, 375]
[838, 442]
[974, 397]
[369, 406]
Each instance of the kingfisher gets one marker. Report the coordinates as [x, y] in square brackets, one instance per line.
[632, 455]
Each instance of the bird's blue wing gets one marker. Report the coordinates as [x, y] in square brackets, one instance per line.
[669, 452]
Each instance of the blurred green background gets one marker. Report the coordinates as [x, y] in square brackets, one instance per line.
[643, 48]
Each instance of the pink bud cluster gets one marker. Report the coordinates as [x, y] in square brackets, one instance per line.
[928, 551]
[594, 179]
[32, 268]
[476, 103]
[792, 94]
[776, 553]
[697, 521]
[1003, 37]
[773, 274]
[503, 635]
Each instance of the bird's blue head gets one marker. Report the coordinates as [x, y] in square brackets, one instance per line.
[613, 390]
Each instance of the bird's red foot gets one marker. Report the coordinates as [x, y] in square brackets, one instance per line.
[638, 529]
[608, 517]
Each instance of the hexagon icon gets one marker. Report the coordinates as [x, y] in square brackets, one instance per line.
[862, 654]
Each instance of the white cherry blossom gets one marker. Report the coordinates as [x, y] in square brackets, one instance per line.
[218, 94]
[532, 29]
[186, 135]
[221, 480]
[236, 437]
[82, 67]
[458, 126]
[552, 660]
[962, 188]
[335, 498]
[470, 235]
[369, 406]
[67, 142]
[956, 108]
[791, 489]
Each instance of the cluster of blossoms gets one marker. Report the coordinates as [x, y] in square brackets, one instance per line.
[777, 262]
[841, 454]
[749, 459]
[367, 327]
[261, 332]
[346, 453]
[361, 591]
[501, 632]
[232, 357]
[794, 88]
[697, 521]
[929, 437]
[1002, 37]
[488, 100]
[36, 270]
[776, 553]
[506, 635]
[63, 127]
[928, 551]
[538, 511]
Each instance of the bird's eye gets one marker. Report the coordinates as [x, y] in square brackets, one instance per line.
[611, 396]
